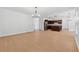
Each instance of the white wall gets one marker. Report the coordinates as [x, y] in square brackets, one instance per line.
[1, 22]
[13, 22]
[72, 23]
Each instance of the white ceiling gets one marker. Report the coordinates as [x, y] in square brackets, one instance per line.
[43, 11]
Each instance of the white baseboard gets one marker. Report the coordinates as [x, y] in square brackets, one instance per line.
[77, 41]
[4, 35]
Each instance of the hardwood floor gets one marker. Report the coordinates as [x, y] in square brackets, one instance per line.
[44, 41]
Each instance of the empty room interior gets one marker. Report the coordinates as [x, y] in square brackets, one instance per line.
[39, 29]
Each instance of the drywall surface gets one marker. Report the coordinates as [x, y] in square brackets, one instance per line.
[14, 22]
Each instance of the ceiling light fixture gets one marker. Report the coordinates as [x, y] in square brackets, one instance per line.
[36, 12]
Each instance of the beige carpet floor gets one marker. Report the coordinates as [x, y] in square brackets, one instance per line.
[42, 41]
